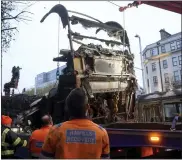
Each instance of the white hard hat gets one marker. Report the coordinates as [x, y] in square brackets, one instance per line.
[45, 117]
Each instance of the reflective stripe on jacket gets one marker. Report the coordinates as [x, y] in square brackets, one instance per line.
[37, 139]
[10, 141]
[7, 152]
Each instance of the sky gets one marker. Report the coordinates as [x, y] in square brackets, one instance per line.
[36, 43]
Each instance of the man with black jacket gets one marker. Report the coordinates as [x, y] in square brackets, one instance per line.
[9, 139]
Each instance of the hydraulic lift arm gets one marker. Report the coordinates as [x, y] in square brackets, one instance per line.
[173, 6]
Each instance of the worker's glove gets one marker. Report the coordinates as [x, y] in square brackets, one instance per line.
[172, 129]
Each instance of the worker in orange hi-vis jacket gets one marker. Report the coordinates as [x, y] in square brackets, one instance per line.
[38, 136]
[78, 138]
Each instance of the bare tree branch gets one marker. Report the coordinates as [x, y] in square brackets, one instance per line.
[25, 19]
[29, 6]
[18, 2]
[9, 18]
[8, 8]
[8, 29]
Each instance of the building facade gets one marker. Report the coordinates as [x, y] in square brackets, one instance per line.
[162, 63]
[46, 78]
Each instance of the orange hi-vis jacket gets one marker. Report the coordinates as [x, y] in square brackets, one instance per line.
[37, 139]
[76, 139]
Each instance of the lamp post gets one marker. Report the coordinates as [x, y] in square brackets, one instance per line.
[162, 89]
[137, 36]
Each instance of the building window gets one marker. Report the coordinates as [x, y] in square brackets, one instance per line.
[164, 64]
[176, 76]
[178, 44]
[153, 52]
[166, 78]
[172, 44]
[180, 59]
[171, 108]
[155, 79]
[153, 66]
[174, 60]
[163, 49]
[148, 82]
[147, 70]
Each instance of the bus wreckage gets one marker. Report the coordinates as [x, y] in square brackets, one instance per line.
[108, 79]
[106, 75]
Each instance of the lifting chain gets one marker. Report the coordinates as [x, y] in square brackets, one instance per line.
[57, 72]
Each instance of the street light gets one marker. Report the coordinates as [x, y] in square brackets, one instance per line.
[158, 44]
[137, 36]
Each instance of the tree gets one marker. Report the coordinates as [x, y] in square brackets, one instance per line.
[30, 92]
[9, 14]
[40, 91]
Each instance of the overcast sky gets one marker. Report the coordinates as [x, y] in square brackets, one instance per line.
[37, 43]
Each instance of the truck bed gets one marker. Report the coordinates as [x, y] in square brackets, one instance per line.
[123, 135]
[139, 134]
[148, 126]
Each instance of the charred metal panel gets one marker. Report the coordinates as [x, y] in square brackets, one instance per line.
[107, 66]
[78, 66]
[100, 87]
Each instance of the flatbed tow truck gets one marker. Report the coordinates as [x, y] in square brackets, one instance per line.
[133, 139]
[129, 143]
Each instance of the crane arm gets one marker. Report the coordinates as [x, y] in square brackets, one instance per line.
[173, 6]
